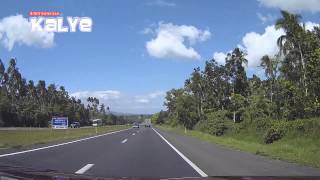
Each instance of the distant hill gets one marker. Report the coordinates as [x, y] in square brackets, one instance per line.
[127, 114]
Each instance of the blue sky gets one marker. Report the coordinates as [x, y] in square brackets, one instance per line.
[140, 49]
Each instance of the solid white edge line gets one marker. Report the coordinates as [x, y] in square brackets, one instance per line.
[56, 145]
[125, 140]
[195, 167]
[84, 169]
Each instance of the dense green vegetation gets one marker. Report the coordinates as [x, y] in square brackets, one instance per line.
[28, 104]
[23, 137]
[222, 100]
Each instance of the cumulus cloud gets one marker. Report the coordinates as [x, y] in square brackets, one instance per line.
[107, 95]
[220, 57]
[310, 25]
[174, 41]
[17, 29]
[120, 102]
[148, 97]
[257, 45]
[293, 5]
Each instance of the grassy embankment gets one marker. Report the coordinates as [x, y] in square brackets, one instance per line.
[293, 147]
[29, 136]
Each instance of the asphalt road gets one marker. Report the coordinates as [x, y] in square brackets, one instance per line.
[145, 153]
[129, 153]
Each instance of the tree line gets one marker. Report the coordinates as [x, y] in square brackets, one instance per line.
[289, 91]
[26, 104]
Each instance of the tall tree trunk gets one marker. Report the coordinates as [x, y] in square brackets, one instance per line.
[201, 101]
[303, 71]
[234, 112]
[271, 93]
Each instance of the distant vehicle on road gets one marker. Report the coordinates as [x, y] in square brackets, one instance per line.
[97, 122]
[135, 125]
[75, 125]
[147, 123]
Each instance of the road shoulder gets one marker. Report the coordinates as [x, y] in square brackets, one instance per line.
[217, 160]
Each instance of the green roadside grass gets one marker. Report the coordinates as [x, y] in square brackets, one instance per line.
[22, 138]
[302, 150]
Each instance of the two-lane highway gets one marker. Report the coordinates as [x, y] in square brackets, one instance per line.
[130, 153]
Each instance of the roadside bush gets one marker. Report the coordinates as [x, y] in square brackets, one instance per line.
[216, 123]
[262, 124]
[202, 126]
[273, 135]
[275, 132]
[235, 128]
[217, 127]
[264, 129]
[173, 121]
[304, 127]
[313, 127]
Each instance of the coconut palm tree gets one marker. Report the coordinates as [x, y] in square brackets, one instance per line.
[292, 40]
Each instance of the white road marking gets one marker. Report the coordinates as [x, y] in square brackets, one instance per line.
[182, 178]
[133, 134]
[124, 141]
[56, 145]
[195, 167]
[84, 169]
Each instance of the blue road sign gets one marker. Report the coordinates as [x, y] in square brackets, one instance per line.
[59, 122]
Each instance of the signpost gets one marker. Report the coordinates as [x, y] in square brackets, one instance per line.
[59, 123]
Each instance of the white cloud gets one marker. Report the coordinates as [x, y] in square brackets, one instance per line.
[161, 3]
[266, 18]
[310, 25]
[170, 41]
[108, 94]
[17, 29]
[156, 94]
[141, 100]
[119, 102]
[148, 97]
[293, 5]
[220, 57]
[257, 45]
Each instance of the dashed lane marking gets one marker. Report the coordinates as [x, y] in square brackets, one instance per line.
[84, 169]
